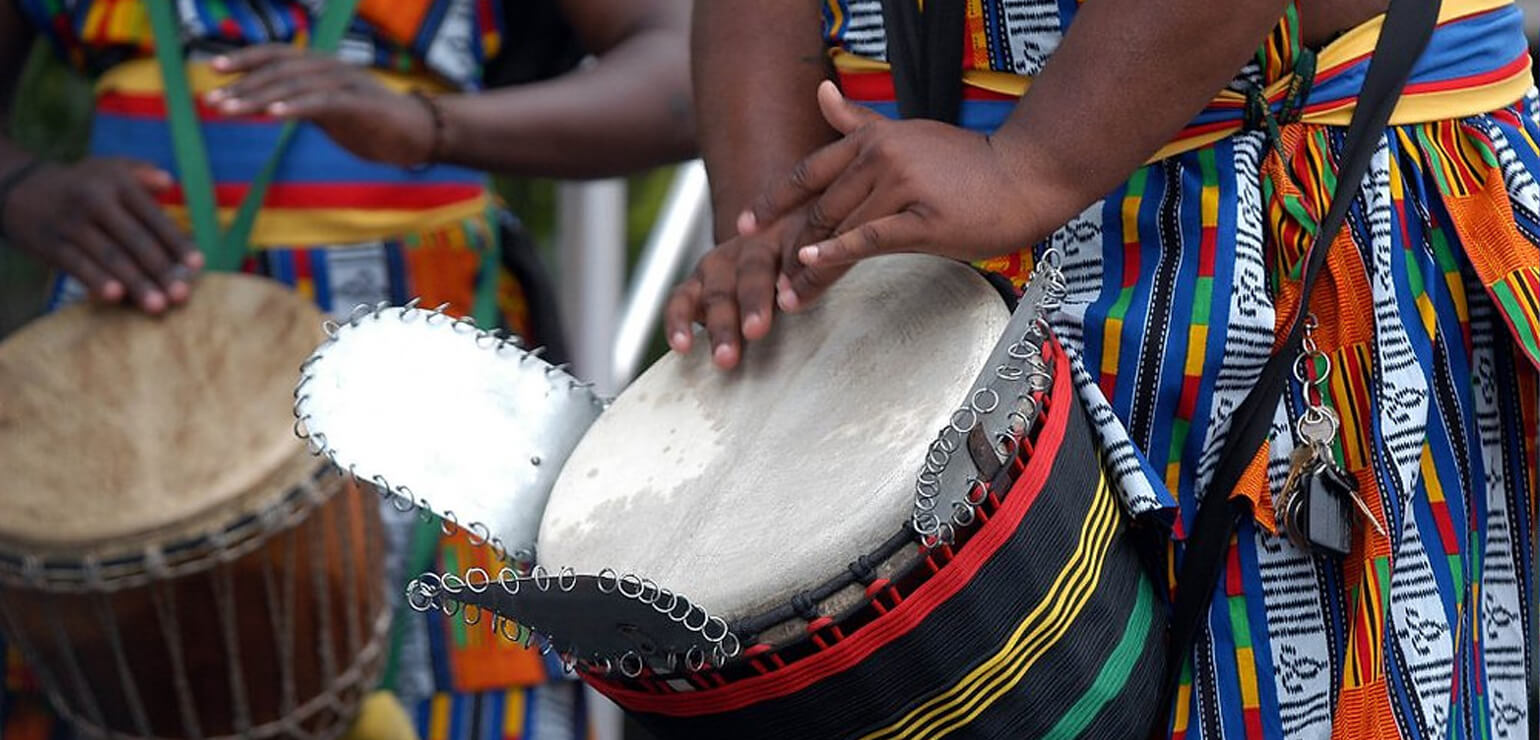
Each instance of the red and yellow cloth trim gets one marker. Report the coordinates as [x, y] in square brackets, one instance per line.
[322, 195]
[1461, 95]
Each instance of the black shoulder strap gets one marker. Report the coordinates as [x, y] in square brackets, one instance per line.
[538, 44]
[1408, 26]
[925, 51]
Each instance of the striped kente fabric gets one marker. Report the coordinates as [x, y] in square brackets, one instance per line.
[342, 232]
[1178, 280]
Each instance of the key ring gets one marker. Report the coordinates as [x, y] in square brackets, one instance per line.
[1318, 426]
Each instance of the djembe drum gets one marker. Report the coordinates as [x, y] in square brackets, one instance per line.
[791, 549]
[172, 562]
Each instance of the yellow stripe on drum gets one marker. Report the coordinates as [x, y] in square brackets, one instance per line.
[1034, 636]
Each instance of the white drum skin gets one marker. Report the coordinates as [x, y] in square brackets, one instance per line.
[739, 489]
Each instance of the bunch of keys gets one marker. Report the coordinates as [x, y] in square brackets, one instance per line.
[1316, 505]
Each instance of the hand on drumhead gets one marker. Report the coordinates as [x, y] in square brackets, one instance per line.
[98, 220]
[730, 293]
[344, 100]
[736, 287]
[909, 186]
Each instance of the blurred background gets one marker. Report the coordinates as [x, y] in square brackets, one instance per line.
[52, 116]
[641, 232]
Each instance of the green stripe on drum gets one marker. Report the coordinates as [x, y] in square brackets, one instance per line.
[1115, 673]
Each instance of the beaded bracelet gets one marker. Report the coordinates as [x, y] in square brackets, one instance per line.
[437, 114]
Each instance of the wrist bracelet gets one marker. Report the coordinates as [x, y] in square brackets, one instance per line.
[434, 150]
[10, 180]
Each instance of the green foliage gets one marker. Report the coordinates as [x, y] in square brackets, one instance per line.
[534, 199]
[51, 115]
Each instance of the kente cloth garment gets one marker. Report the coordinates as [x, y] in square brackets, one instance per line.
[1178, 282]
[342, 232]
[453, 39]
[321, 195]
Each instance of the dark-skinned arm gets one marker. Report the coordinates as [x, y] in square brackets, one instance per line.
[96, 219]
[757, 63]
[628, 111]
[1126, 77]
[1142, 69]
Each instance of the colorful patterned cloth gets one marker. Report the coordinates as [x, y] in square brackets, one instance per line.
[342, 232]
[450, 38]
[1429, 310]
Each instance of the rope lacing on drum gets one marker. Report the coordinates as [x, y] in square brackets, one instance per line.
[863, 570]
[195, 553]
[161, 568]
[803, 605]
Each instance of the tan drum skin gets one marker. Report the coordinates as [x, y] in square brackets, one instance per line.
[173, 562]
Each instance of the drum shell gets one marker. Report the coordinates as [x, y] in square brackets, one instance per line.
[279, 634]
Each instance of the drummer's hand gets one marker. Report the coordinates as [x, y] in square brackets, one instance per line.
[909, 186]
[98, 221]
[730, 292]
[345, 101]
[736, 286]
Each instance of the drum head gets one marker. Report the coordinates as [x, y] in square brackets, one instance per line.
[739, 489]
[115, 425]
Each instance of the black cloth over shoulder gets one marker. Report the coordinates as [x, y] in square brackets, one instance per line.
[538, 44]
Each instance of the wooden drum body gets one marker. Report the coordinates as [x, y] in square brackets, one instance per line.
[216, 580]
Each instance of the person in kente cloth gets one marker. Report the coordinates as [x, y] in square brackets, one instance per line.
[382, 196]
[1178, 156]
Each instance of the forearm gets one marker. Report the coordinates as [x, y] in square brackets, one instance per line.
[1127, 77]
[757, 65]
[628, 112]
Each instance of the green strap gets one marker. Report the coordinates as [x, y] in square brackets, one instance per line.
[484, 310]
[421, 549]
[186, 139]
[224, 252]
